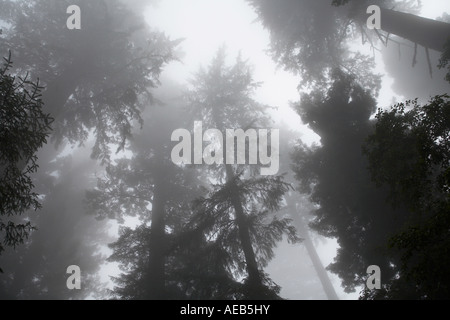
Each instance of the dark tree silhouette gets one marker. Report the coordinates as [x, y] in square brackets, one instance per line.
[98, 80]
[24, 128]
[312, 37]
[352, 209]
[98, 77]
[409, 155]
[151, 187]
[429, 33]
[241, 202]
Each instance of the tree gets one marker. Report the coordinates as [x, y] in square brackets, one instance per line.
[222, 237]
[66, 236]
[299, 208]
[429, 33]
[150, 187]
[409, 155]
[312, 37]
[237, 211]
[98, 80]
[299, 220]
[350, 208]
[24, 128]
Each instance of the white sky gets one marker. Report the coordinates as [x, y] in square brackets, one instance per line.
[208, 24]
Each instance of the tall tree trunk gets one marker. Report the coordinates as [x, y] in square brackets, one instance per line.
[428, 33]
[318, 266]
[156, 266]
[321, 272]
[254, 277]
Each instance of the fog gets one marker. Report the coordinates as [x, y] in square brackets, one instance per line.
[306, 171]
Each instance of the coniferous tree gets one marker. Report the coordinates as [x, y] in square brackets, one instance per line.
[65, 236]
[312, 39]
[352, 209]
[237, 212]
[151, 188]
[98, 77]
[24, 128]
[97, 82]
[299, 209]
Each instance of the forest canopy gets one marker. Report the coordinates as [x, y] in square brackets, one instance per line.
[224, 150]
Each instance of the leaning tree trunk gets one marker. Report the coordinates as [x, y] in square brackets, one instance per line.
[428, 33]
[318, 266]
[321, 272]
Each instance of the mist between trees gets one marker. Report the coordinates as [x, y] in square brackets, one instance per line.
[90, 126]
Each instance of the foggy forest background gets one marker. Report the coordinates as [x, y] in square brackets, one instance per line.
[86, 176]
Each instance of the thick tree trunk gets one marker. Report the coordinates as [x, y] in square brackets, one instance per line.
[156, 266]
[318, 266]
[254, 277]
[428, 33]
